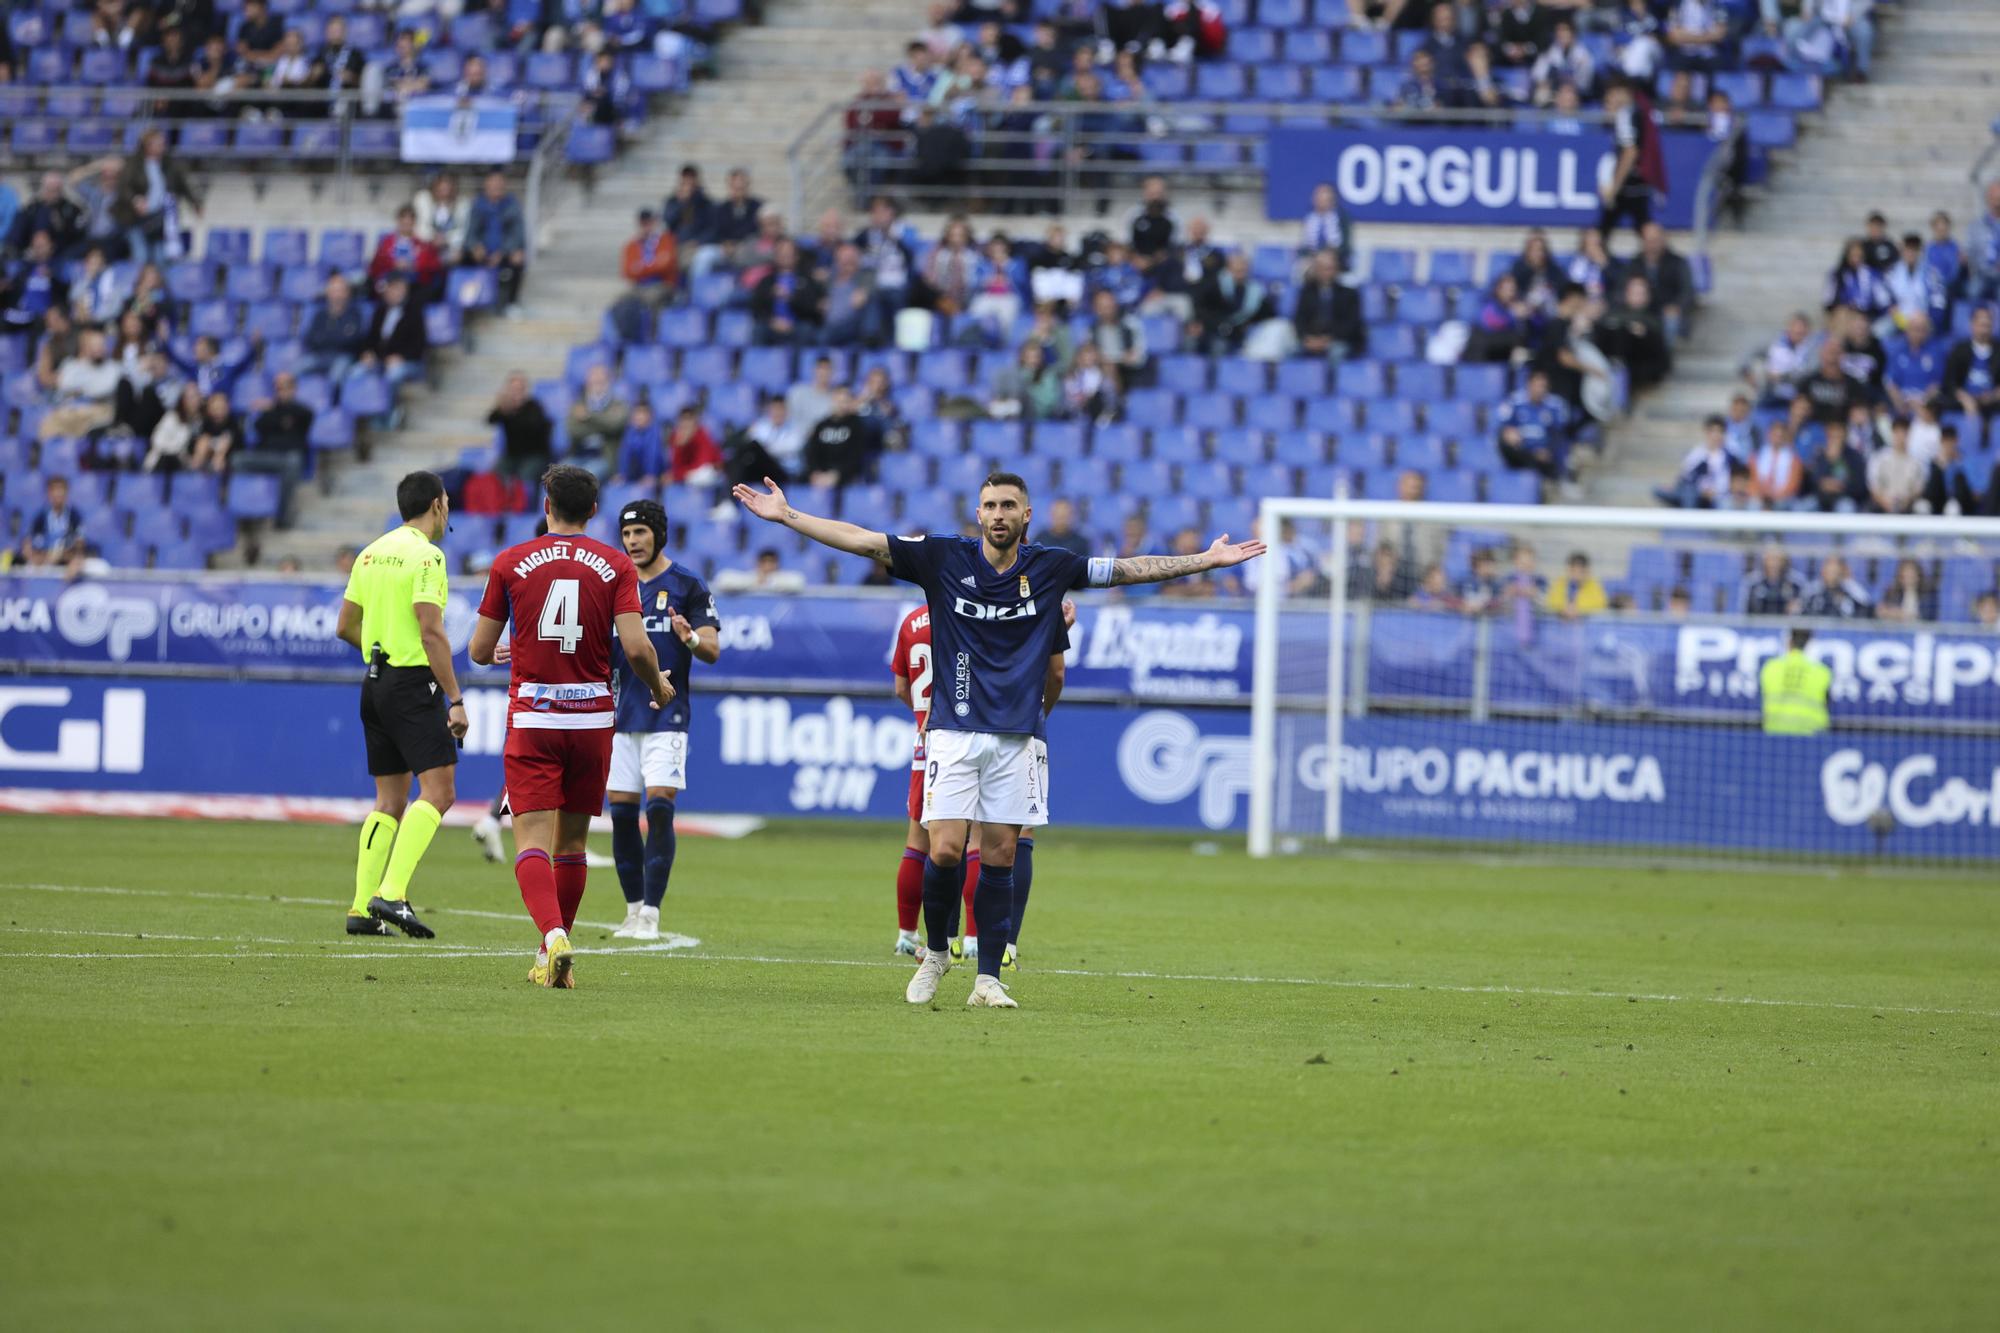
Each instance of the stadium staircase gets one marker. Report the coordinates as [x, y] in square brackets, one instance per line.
[771, 80]
[1903, 143]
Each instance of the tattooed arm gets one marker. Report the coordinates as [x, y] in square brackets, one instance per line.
[772, 507]
[1160, 568]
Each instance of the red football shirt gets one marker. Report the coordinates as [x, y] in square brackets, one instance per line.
[911, 660]
[561, 592]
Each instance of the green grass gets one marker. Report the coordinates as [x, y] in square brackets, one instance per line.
[1463, 1095]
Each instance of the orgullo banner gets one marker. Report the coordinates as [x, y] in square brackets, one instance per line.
[1468, 175]
[1143, 650]
[1691, 787]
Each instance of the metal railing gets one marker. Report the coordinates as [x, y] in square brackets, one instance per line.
[318, 135]
[1069, 156]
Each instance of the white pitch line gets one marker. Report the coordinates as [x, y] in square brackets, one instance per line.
[1331, 983]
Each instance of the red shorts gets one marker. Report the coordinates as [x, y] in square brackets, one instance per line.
[917, 794]
[558, 770]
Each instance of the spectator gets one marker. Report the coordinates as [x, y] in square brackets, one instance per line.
[146, 391]
[1895, 479]
[1704, 475]
[93, 294]
[55, 535]
[1863, 439]
[94, 189]
[1835, 596]
[1327, 226]
[649, 265]
[837, 452]
[283, 443]
[1971, 374]
[732, 222]
[1855, 282]
[640, 459]
[1226, 306]
[1030, 388]
[689, 216]
[1911, 597]
[597, 421]
[1480, 592]
[1696, 32]
[85, 391]
[1502, 324]
[779, 445]
[497, 238]
[1785, 364]
[1120, 339]
[33, 291]
[1327, 318]
[1926, 431]
[1565, 62]
[1669, 281]
[49, 211]
[173, 434]
[1983, 284]
[1115, 273]
[1632, 333]
[1390, 581]
[786, 303]
[768, 575]
[526, 433]
[1422, 90]
[1579, 593]
[692, 454]
[939, 151]
[809, 400]
[1949, 487]
[1153, 227]
[218, 436]
[153, 190]
[1986, 610]
[1912, 287]
[1090, 389]
[1637, 171]
[852, 315]
[1534, 430]
[336, 334]
[403, 251]
[340, 65]
[442, 218]
[996, 302]
[1829, 391]
[397, 342]
[1740, 434]
[952, 271]
[1837, 481]
[1916, 366]
[877, 405]
[1776, 591]
[1833, 32]
[1536, 277]
[406, 75]
[886, 256]
[1776, 471]
[1061, 533]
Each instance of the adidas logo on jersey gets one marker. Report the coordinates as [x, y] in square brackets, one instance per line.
[970, 581]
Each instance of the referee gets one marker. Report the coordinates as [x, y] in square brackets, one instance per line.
[412, 714]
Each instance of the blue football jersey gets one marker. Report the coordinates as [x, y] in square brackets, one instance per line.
[992, 634]
[676, 589]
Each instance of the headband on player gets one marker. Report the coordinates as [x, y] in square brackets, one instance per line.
[647, 513]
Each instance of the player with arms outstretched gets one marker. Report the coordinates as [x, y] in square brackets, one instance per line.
[563, 594]
[995, 623]
[910, 663]
[649, 748]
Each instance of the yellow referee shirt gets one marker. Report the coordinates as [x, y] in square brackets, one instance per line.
[395, 572]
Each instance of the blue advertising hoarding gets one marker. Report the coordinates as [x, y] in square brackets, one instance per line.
[1467, 175]
[1403, 778]
[1137, 650]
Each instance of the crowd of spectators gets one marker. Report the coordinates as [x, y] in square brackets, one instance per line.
[1886, 403]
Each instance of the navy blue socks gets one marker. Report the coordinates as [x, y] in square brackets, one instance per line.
[1024, 876]
[627, 852]
[659, 850]
[941, 888]
[992, 904]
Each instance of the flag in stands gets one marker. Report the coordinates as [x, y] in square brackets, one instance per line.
[451, 129]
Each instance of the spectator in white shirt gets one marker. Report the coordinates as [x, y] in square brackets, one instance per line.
[1704, 477]
[1327, 227]
[1792, 355]
[1567, 61]
[86, 387]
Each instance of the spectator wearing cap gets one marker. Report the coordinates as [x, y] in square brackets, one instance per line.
[497, 238]
[404, 251]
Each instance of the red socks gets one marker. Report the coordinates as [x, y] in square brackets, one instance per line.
[909, 889]
[971, 883]
[570, 872]
[537, 878]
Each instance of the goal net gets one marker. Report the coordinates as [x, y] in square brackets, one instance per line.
[1590, 679]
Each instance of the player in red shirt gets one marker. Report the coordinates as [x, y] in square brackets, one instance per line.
[563, 593]
[911, 663]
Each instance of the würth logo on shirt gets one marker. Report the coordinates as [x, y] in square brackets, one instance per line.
[987, 611]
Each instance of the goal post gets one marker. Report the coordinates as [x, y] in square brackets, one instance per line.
[1442, 674]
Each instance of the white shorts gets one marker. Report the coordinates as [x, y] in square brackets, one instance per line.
[642, 759]
[994, 779]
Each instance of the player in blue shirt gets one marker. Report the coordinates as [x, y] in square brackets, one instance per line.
[996, 618]
[649, 748]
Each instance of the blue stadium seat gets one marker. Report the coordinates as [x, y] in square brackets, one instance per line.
[1360, 379]
[1271, 412]
[1425, 453]
[999, 440]
[1119, 442]
[1238, 376]
[1456, 418]
[193, 492]
[203, 138]
[943, 440]
[1795, 92]
[1394, 342]
[1359, 46]
[581, 359]
[316, 141]
[647, 365]
[258, 140]
[1745, 88]
[685, 326]
[1279, 83]
[190, 281]
[1452, 487]
[253, 495]
[1320, 482]
[946, 370]
[549, 71]
[904, 470]
[1252, 46]
[287, 247]
[1479, 383]
[1303, 378]
[1168, 514]
[1152, 408]
[735, 328]
[1420, 382]
[442, 324]
[301, 284]
[1421, 306]
[1282, 13]
[1309, 46]
[1331, 415]
[1342, 85]
[1298, 448]
[1059, 439]
[1169, 83]
[712, 291]
[1211, 478]
[371, 140]
[1177, 444]
[1212, 411]
[1148, 477]
[1513, 488]
[712, 366]
[367, 394]
[1272, 263]
[1185, 371]
[962, 473]
[769, 369]
[1219, 83]
[91, 138]
[1393, 266]
[212, 319]
[1451, 268]
[332, 429]
[591, 145]
[342, 249]
[245, 281]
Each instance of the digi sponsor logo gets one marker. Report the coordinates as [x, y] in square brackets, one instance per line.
[1912, 793]
[112, 742]
[836, 753]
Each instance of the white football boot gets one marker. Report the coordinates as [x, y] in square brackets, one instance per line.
[906, 943]
[988, 993]
[923, 986]
[486, 832]
[649, 924]
[630, 929]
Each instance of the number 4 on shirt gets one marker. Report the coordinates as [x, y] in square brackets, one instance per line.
[561, 622]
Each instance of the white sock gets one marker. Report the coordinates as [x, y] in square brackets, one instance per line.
[557, 934]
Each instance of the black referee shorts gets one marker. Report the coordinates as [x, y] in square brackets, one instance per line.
[404, 718]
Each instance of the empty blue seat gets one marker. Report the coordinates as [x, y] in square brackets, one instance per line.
[332, 428]
[1329, 416]
[1272, 263]
[942, 440]
[1240, 377]
[258, 140]
[999, 440]
[1119, 442]
[1513, 488]
[1219, 83]
[1795, 92]
[1452, 268]
[192, 491]
[1421, 306]
[90, 138]
[441, 324]
[1309, 46]
[1394, 416]
[591, 145]
[190, 281]
[1452, 487]
[713, 366]
[1343, 85]
[1152, 407]
[582, 359]
[1359, 46]
[647, 365]
[904, 470]
[769, 369]
[253, 495]
[287, 247]
[1185, 371]
[246, 281]
[1360, 379]
[551, 71]
[684, 326]
[212, 319]
[1392, 266]
[1271, 412]
[735, 328]
[1394, 342]
[1167, 82]
[1455, 418]
[1059, 439]
[1420, 382]
[1148, 477]
[1167, 515]
[1177, 444]
[1252, 46]
[1479, 383]
[1212, 411]
[1425, 453]
[369, 140]
[1211, 478]
[1281, 13]
[316, 141]
[1298, 448]
[366, 395]
[712, 291]
[1279, 83]
[1303, 378]
[341, 249]
[1744, 87]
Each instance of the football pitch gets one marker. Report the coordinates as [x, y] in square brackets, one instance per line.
[1378, 1092]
